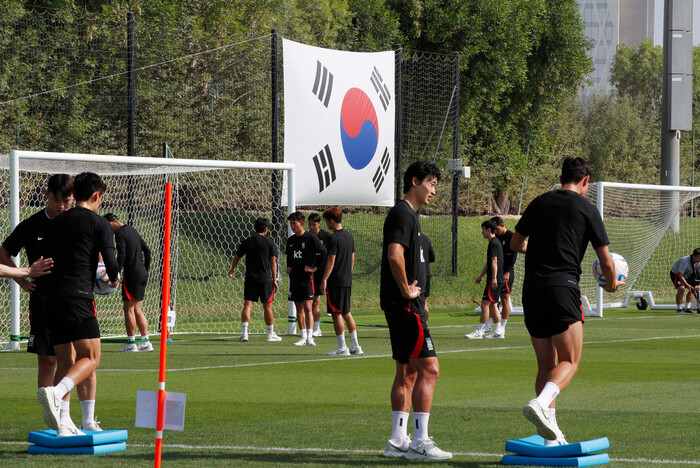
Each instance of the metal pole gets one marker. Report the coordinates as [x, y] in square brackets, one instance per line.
[277, 217]
[14, 221]
[398, 120]
[131, 111]
[456, 174]
[601, 209]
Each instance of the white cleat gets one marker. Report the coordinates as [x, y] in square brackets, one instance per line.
[301, 342]
[475, 335]
[145, 347]
[356, 350]
[273, 337]
[69, 431]
[52, 406]
[561, 440]
[339, 352]
[317, 333]
[396, 451]
[91, 426]
[540, 417]
[427, 450]
[310, 341]
[129, 348]
[243, 338]
[499, 333]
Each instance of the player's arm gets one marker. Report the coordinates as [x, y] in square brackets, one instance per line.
[146, 254]
[397, 264]
[39, 268]
[330, 264]
[105, 242]
[494, 271]
[121, 251]
[608, 267]
[518, 243]
[273, 268]
[6, 259]
[352, 263]
[236, 259]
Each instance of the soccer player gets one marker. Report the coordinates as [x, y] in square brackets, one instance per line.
[417, 366]
[427, 257]
[336, 281]
[683, 278]
[493, 269]
[303, 258]
[559, 225]
[75, 239]
[261, 262]
[315, 228]
[134, 256]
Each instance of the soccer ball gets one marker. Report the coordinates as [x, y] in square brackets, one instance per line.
[102, 285]
[621, 269]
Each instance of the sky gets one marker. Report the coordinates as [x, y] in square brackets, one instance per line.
[659, 22]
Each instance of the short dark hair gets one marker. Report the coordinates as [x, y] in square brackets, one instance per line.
[111, 217]
[334, 214]
[87, 183]
[60, 183]
[260, 225]
[498, 220]
[696, 252]
[419, 170]
[573, 170]
[314, 217]
[490, 225]
[296, 216]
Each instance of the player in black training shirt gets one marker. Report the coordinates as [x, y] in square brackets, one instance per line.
[417, 366]
[315, 228]
[427, 257]
[261, 262]
[134, 256]
[559, 225]
[493, 269]
[303, 259]
[509, 258]
[75, 239]
[336, 281]
[29, 234]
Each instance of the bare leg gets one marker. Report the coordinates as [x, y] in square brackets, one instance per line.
[141, 319]
[402, 389]
[267, 311]
[428, 370]
[46, 366]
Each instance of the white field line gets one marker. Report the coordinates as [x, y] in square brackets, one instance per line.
[360, 452]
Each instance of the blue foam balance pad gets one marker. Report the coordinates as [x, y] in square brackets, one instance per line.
[585, 460]
[86, 450]
[533, 446]
[49, 439]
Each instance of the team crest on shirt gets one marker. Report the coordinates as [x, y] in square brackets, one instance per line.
[303, 245]
[422, 258]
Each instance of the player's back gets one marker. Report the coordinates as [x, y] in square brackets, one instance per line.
[129, 252]
[258, 250]
[342, 245]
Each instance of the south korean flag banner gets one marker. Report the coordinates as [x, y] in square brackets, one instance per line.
[339, 125]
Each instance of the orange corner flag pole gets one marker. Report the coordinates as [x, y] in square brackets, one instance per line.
[164, 323]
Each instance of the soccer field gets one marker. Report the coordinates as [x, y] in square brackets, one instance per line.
[275, 404]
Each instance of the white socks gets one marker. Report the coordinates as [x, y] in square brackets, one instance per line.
[65, 414]
[64, 386]
[480, 327]
[341, 341]
[353, 337]
[548, 394]
[317, 325]
[88, 407]
[270, 329]
[503, 323]
[489, 322]
[245, 328]
[420, 428]
[399, 427]
[131, 339]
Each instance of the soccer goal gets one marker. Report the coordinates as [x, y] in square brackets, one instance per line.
[652, 226]
[215, 204]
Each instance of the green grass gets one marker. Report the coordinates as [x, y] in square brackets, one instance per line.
[273, 404]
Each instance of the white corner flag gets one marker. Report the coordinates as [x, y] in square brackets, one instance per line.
[339, 119]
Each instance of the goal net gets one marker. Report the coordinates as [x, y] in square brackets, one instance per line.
[215, 204]
[651, 226]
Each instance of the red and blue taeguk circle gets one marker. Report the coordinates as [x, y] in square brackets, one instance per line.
[359, 130]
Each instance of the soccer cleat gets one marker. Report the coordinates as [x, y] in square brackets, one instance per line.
[688, 310]
[129, 348]
[273, 337]
[301, 342]
[69, 431]
[427, 450]
[339, 352]
[356, 350]
[561, 440]
[475, 335]
[310, 341]
[52, 406]
[396, 451]
[539, 416]
[91, 426]
[145, 347]
[243, 338]
[317, 333]
[499, 333]
[488, 331]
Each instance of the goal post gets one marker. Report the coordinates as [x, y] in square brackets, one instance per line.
[215, 204]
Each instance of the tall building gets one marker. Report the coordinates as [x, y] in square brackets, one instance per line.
[609, 23]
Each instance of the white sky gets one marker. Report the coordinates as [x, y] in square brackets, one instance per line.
[659, 22]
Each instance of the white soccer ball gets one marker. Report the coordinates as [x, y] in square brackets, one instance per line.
[621, 269]
[102, 284]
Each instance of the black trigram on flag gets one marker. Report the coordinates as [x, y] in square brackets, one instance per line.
[382, 170]
[325, 170]
[380, 87]
[323, 84]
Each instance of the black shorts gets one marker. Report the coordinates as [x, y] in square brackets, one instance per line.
[258, 292]
[426, 289]
[492, 295]
[134, 289]
[318, 278]
[338, 299]
[72, 319]
[301, 288]
[508, 285]
[408, 332]
[39, 334]
[551, 310]
[677, 282]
